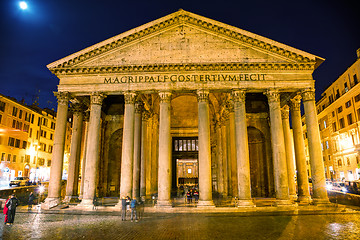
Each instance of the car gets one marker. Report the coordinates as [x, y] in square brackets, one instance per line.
[338, 186]
[352, 187]
[20, 181]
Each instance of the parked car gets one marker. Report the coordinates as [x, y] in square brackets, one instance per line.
[338, 186]
[352, 187]
[20, 181]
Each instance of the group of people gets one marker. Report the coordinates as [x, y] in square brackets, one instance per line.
[129, 204]
[192, 194]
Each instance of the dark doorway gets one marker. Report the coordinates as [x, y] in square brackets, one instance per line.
[114, 167]
[258, 164]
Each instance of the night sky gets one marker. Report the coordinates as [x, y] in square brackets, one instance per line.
[52, 29]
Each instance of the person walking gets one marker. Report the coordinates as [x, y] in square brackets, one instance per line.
[31, 200]
[133, 206]
[5, 210]
[11, 205]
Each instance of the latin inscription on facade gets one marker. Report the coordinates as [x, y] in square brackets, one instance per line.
[185, 78]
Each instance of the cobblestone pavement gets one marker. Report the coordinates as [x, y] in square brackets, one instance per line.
[182, 226]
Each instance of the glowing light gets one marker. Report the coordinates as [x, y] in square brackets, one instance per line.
[41, 189]
[23, 5]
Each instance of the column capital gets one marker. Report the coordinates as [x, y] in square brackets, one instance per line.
[295, 103]
[97, 98]
[285, 112]
[165, 97]
[63, 97]
[130, 97]
[238, 95]
[272, 95]
[139, 107]
[202, 95]
[308, 94]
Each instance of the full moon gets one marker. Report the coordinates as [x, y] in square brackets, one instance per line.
[23, 5]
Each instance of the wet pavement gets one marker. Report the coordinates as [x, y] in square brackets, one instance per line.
[182, 226]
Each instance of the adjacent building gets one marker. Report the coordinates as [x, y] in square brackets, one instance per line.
[339, 119]
[27, 140]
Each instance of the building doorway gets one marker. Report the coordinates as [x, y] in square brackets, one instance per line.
[185, 165]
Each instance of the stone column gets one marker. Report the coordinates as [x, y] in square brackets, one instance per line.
[205, 183]
[225, 157]
[83, 161]
[75, 148]
[127, 155]
[219, 158]
[92, 151]
[316, 159]
[278, 149]
[164, 172]
[137, 151]
[242, 150]
[289, 152]
[232, 143]
[300, 157]
[54, 189]
[144, 154]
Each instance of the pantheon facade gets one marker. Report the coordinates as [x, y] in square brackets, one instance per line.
[187, 93]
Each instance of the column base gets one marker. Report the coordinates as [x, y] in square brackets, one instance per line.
[322, 202]
[71, 199]
[245, 203]
[293, 197]
[304, 200]
[86, 204]
[50, 203]
[205, 204]
[280, 203]
[163, 204]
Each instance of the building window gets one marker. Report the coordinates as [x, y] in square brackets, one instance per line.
[342, 123]
[339, 163]
[27, 158]
[49, 163]
[2, 156]
[358, 113]
[2, 106]
[14, 112]
[43, 147]
[327, 144]
[355, 79]
[52, 125]
[9, 157]
[11, 142]
[185, 145]
[348, 161]
[0, 118]
[324, 123]
[14, 158]
[334, 126]
[14, 124]
[346, 87]
[348, 104]
[322, 147]
[34, 161]
[350, 119]
[340, 109]
[24, 144]
[17, 143]
[30, 133]
[357, 98]
[51, 136]
[337, 94]
[331, 99]
[50, 149]
[20, 113]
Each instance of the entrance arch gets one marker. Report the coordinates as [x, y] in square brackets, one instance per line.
[258, 163]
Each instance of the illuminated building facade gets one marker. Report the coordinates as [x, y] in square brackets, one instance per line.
[339, 120]
[186, 97]
[26, 140]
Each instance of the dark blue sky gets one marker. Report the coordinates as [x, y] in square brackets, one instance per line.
[52, 29]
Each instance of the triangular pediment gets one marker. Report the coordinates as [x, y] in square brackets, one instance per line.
[185, 38]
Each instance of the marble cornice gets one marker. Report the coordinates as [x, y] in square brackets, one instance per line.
[180, 19]
[182, 67]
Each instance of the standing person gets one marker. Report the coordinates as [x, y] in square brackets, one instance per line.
[196, 196]
[5, 210]
[123, 208]
[31, 201]
[133, 204]
[11, 205]
[188, 196]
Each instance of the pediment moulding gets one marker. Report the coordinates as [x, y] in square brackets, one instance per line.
[183, 67]
[186, 18]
